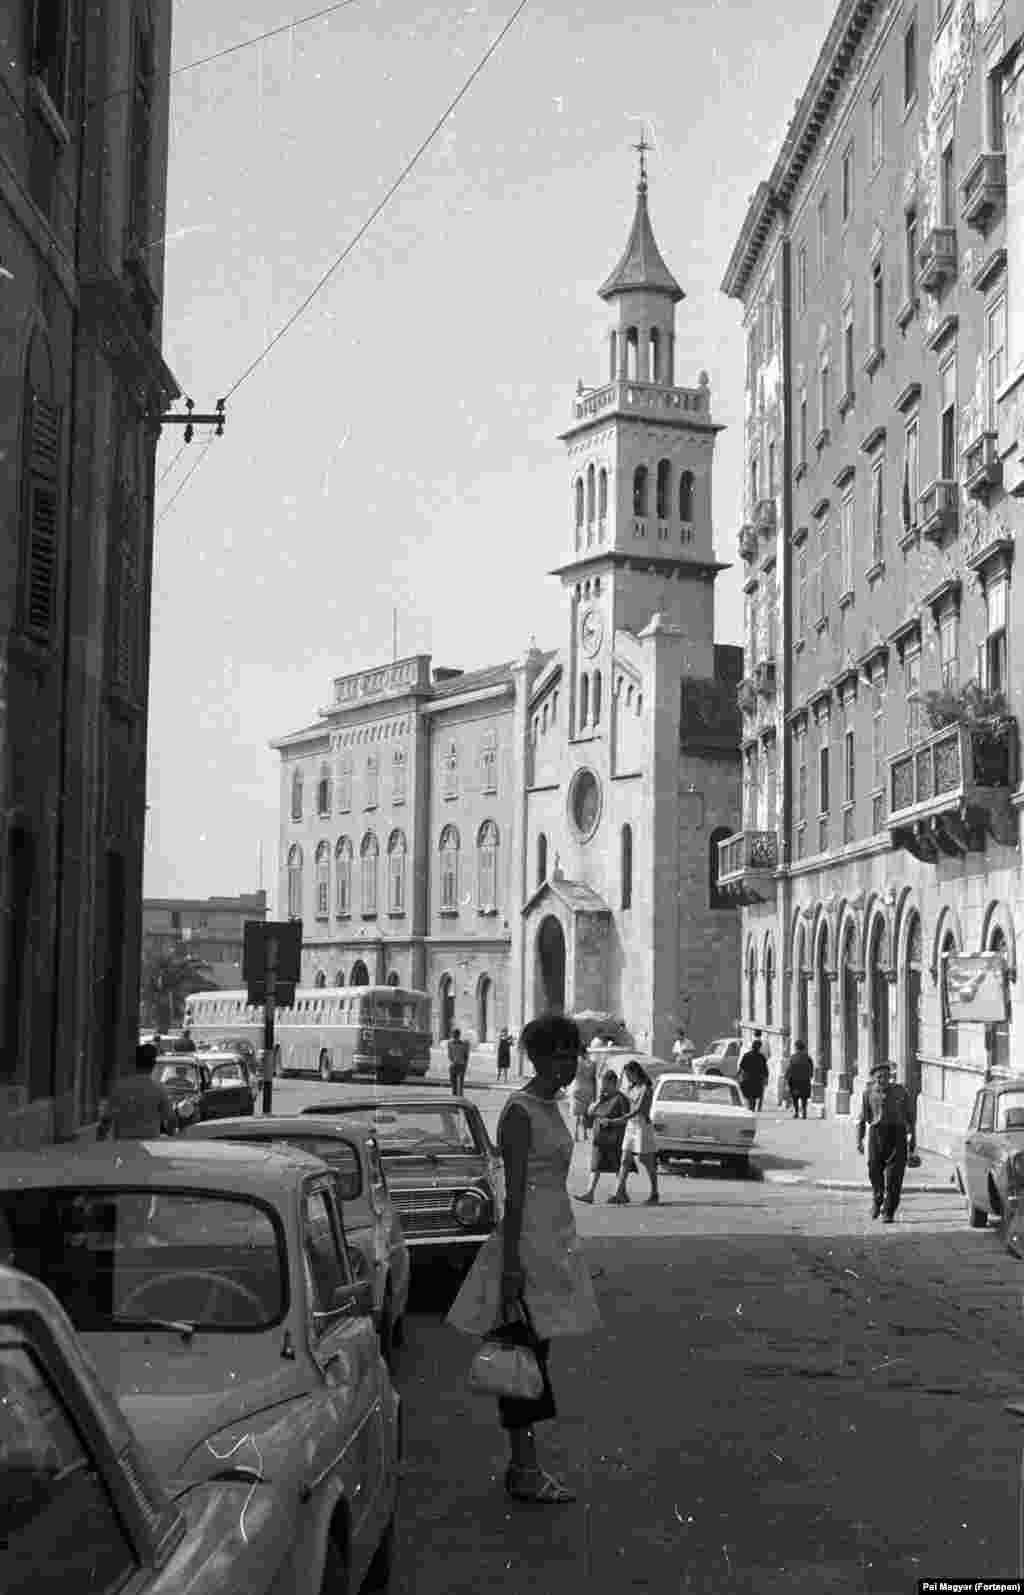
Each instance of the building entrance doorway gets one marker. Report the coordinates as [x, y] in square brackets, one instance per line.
[823, 994]
[912, 1001]
[551, 966]
[483, 1008]
[446, 1007]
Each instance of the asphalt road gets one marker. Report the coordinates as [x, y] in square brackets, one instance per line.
[784, 1397]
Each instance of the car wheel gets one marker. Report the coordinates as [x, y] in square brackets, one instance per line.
[378, 1574]
[977, 1217]
[324, 1071]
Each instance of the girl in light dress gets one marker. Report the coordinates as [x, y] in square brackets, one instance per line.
[638, 1144]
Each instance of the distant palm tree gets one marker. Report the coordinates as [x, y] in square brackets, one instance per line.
[169, 975]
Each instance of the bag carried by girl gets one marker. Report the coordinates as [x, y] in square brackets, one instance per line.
[503, 1368]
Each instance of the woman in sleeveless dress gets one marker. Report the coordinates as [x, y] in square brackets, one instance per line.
[534, 1255]
[638, 1144]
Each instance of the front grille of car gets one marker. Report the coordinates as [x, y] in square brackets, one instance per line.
[427, 1212]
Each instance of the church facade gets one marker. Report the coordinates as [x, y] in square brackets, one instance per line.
[543, 833]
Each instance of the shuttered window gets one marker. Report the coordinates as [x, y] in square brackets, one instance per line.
[41, 538]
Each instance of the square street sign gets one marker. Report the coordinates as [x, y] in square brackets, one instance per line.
[976, 988]
[279, 942]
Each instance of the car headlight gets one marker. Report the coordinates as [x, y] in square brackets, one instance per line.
[186, 1108]
[468, 1208]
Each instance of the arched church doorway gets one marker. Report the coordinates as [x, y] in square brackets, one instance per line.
[483, 1008]
[551, 965]
[360, 975]
[445, 1007]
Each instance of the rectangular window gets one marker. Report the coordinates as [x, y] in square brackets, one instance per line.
[849, 767]
[824, 795]
[821, 610]
[994, 654]
[878, 731]
[910, 63]
[771, 469]
[911, 473]
[877, 129]
[910, 253]
[823, 392]
[372, 781]
[949, 649]
[754, 484]
[823, 233]
[947, 421]
[847, 182]
[846, 541]
[912, 693]
[801, 593]
[345, 784]
[803, 429]
[771, 786]
[801, 279]
[801, 803]
[995, 356]
[996, 131]
[847, 350]
[947, 186]
[878, 511]
[877, 306]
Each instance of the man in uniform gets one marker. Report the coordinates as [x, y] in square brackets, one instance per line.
[887, 1113]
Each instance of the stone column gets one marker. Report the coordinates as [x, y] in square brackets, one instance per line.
[519, 998]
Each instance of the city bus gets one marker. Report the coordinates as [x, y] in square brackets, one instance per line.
[330, 1031]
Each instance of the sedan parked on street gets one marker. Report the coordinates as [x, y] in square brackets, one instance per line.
[988, 1173]
[444, 1174]
[211, 1287]
[704, 1117]
[722, 1057]
[372, 1224]
[206, 1085]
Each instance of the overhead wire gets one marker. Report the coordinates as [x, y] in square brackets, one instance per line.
[193, 468]
[272, 33]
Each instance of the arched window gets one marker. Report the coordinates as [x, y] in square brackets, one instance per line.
[878, 978]
[769, 985]
[295, 882]
[654, 366]
[40, 560]
[999, 1054]
[323, 880]
[613, 360]
[360, 975]
[596, 704]
[664, 481]
[319, 980]
[751, 982]
[369, 853]
[716, 897]
[542, 859]
[579, 502]
[339, 979]
[323, 792]
[345, 783]
[398, 774]
[632, 354]
[449, 851]
[590, 494]
[396, 872]
[296, 794]
[950, 1030]
[602, 493]
[487, 867]
[626, 866]
[686, 496]
[584, 699]
[640, 490]
[343, 878]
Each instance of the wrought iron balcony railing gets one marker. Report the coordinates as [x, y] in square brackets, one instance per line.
[952, 789]
[747, 862]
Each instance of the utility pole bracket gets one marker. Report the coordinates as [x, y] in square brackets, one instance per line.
[190, 420]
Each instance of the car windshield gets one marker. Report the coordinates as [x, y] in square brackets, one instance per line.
[178, 1074]
[227, 1074]
[721, 1047]
[1011, 1110]
[123, 1258]
[717, 1093]
[423, 1129]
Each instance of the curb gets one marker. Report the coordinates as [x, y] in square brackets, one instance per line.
[861, 1186]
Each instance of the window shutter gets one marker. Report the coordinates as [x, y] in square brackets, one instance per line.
[40, 599]
[127, 617]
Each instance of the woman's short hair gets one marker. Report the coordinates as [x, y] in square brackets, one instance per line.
[549, 1034]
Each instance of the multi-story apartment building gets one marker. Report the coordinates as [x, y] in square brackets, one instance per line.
[544, 833]
[882, 690]
[212, 929]
[83, 154]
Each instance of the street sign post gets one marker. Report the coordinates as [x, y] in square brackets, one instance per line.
[272, 954]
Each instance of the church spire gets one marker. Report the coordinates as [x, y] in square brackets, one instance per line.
[642, 268]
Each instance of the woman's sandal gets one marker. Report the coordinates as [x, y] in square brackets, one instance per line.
[585, 1196]
[541, 1489]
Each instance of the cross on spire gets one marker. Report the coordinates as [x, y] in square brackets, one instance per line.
[641, 150]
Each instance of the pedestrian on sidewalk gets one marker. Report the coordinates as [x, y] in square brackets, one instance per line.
[582, 1094]
[458, 1063]
[752, 1074]
[798, 1079]
[534, 1256]
[606, 1152]
[137, 1108]
[887, 1113]
[638, 1144]
[504, 1055]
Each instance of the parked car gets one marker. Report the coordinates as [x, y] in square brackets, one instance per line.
[722, 1057]
[234, 1046]
[444, 1173]
[697, 1118]
[615, 1057]
[211, 1286]
[206, 1086]
[988, 1173]
[372, 1224]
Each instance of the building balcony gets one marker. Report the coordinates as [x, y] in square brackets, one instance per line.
[747, 862]
[950, 791]
[937, 259]
[983, 191]
[940, 509]
[747, 542]
[764, 678]
[764, 517]
[983, 469]
[643, 396]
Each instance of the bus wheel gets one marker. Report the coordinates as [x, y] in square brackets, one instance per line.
[324, 1070]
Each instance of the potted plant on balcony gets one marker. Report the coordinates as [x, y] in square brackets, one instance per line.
[986, 716]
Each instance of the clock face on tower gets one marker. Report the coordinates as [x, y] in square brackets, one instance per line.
[591, 631]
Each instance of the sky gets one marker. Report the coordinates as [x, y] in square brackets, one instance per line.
[398, 449]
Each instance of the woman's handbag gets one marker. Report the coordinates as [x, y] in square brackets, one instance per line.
[501, 1368]
[913, 1160]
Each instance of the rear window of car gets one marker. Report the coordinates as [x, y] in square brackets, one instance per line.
[340, 1155]
[116, 1258]
[177, 1074]
[227, 1074]
[718, 1093]
[417, 1130]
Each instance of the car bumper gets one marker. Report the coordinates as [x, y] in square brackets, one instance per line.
[711, 1146]
[460, 1249]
